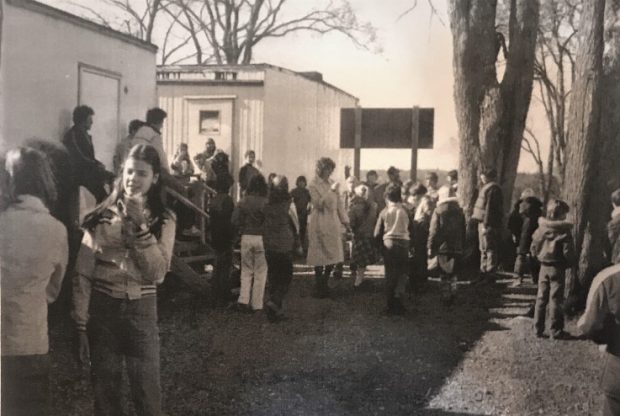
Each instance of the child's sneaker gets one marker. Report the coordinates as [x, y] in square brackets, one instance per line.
[561, 335]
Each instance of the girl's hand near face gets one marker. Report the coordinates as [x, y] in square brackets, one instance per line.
[134, 209]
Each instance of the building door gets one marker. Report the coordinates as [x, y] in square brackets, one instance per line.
[209, 118]
[100, 90]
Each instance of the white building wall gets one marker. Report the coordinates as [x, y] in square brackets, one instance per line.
[247, 116]
[39, 72]
[302, 124]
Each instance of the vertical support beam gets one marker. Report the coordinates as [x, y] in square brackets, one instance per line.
[415, 130]
[357, 150]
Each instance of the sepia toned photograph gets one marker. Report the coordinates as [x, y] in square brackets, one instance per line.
[309, 207]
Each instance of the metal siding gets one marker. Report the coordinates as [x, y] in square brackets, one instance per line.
[302, 124]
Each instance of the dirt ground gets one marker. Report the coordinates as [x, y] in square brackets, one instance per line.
[343, 356]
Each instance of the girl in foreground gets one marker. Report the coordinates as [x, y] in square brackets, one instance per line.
[125, 254]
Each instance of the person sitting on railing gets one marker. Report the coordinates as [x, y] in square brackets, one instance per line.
[182, 166]
[203, 161]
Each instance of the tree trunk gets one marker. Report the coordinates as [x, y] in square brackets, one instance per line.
[473, 61]
[491, 116]
[516, 88]
[605, 176]
[583, 140]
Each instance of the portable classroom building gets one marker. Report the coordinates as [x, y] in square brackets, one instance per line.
[290, 119]
[52, 61]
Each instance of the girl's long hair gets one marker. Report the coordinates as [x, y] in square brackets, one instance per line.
[30, 173]
[154, 196]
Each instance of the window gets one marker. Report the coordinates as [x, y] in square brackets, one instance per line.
[209, 122]
[225, 75]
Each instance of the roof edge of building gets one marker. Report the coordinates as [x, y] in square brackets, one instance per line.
[53, 12]
[189, 68]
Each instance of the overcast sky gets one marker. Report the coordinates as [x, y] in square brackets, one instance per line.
[414, 68]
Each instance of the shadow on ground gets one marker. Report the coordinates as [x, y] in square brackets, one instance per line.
[337, 356]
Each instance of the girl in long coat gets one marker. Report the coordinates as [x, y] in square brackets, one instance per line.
[324, 229]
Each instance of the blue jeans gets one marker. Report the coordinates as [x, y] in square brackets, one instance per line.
[123, 329]
[550, 291]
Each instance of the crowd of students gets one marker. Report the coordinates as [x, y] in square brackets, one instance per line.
[128, 239]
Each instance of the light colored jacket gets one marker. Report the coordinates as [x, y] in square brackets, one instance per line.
[109, 263]
[33, 258]
[394, 222]
[148, 135]
[324, 232]
[601, 320]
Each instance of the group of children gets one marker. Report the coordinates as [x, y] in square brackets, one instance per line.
[128, 244]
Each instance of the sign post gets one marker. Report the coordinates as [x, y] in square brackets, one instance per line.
[415, 137]
[386, 128]
[357, 146]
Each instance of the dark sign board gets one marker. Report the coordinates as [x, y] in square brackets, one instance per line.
[387, 128]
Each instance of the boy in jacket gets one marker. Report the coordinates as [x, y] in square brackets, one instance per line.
[446, 241]
[488, 211]
[552, 245]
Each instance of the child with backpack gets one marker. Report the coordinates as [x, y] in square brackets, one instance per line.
[281, 234]
[249, 218]
[126, 252]
[552, 245]
[33, 257]
[446, 241]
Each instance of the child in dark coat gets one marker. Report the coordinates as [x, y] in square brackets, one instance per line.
[249, 218]
[362, 218]
[552, 245]
[281, 233]
[446, 240]
[220, 209]
[523, 221]
[301, 199]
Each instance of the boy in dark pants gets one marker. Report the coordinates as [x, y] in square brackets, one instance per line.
[220, 210]
[446, 241]
[552, 245]
[281, 233]
[488, 212]
[393, 225]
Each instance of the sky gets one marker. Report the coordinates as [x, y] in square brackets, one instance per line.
[414, 68]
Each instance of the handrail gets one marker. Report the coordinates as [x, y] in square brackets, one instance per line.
[205, 187]
[181, 198]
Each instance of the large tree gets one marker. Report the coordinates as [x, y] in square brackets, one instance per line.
[584, 141]
[491, 113]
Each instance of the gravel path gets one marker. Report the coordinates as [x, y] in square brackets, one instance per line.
[342, 356]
